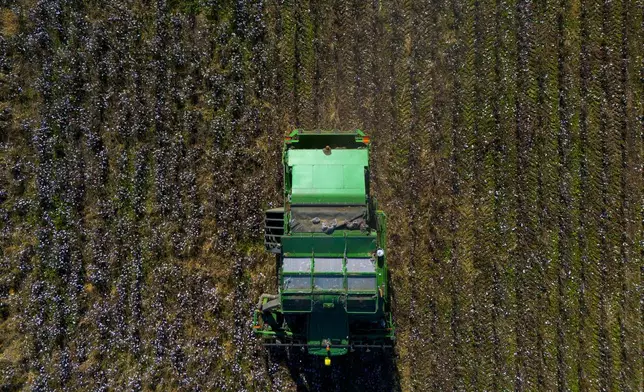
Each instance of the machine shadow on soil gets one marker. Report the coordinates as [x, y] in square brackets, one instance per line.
[373, 370]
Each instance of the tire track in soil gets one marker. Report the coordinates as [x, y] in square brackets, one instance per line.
[483, 191]
[567, 189]
[609, 359]
[505, 202]
[461, 221]
[526, 184]
[631, 186]
[588, 296]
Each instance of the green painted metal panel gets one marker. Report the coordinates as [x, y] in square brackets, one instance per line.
[303, 177]
[296, 303]
[327, 196]
[325, 245]
[336, 157]
[328, 177]
[336, 178]
[362, 303]
[354, 176]
[328, 323]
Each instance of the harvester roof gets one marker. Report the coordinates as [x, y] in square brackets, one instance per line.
[327, 167]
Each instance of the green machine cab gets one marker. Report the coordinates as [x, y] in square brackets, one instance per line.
[330, 246]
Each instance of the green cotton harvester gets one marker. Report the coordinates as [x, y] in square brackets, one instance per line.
[330, 245]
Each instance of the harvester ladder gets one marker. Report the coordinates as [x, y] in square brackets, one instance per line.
[274, 229]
